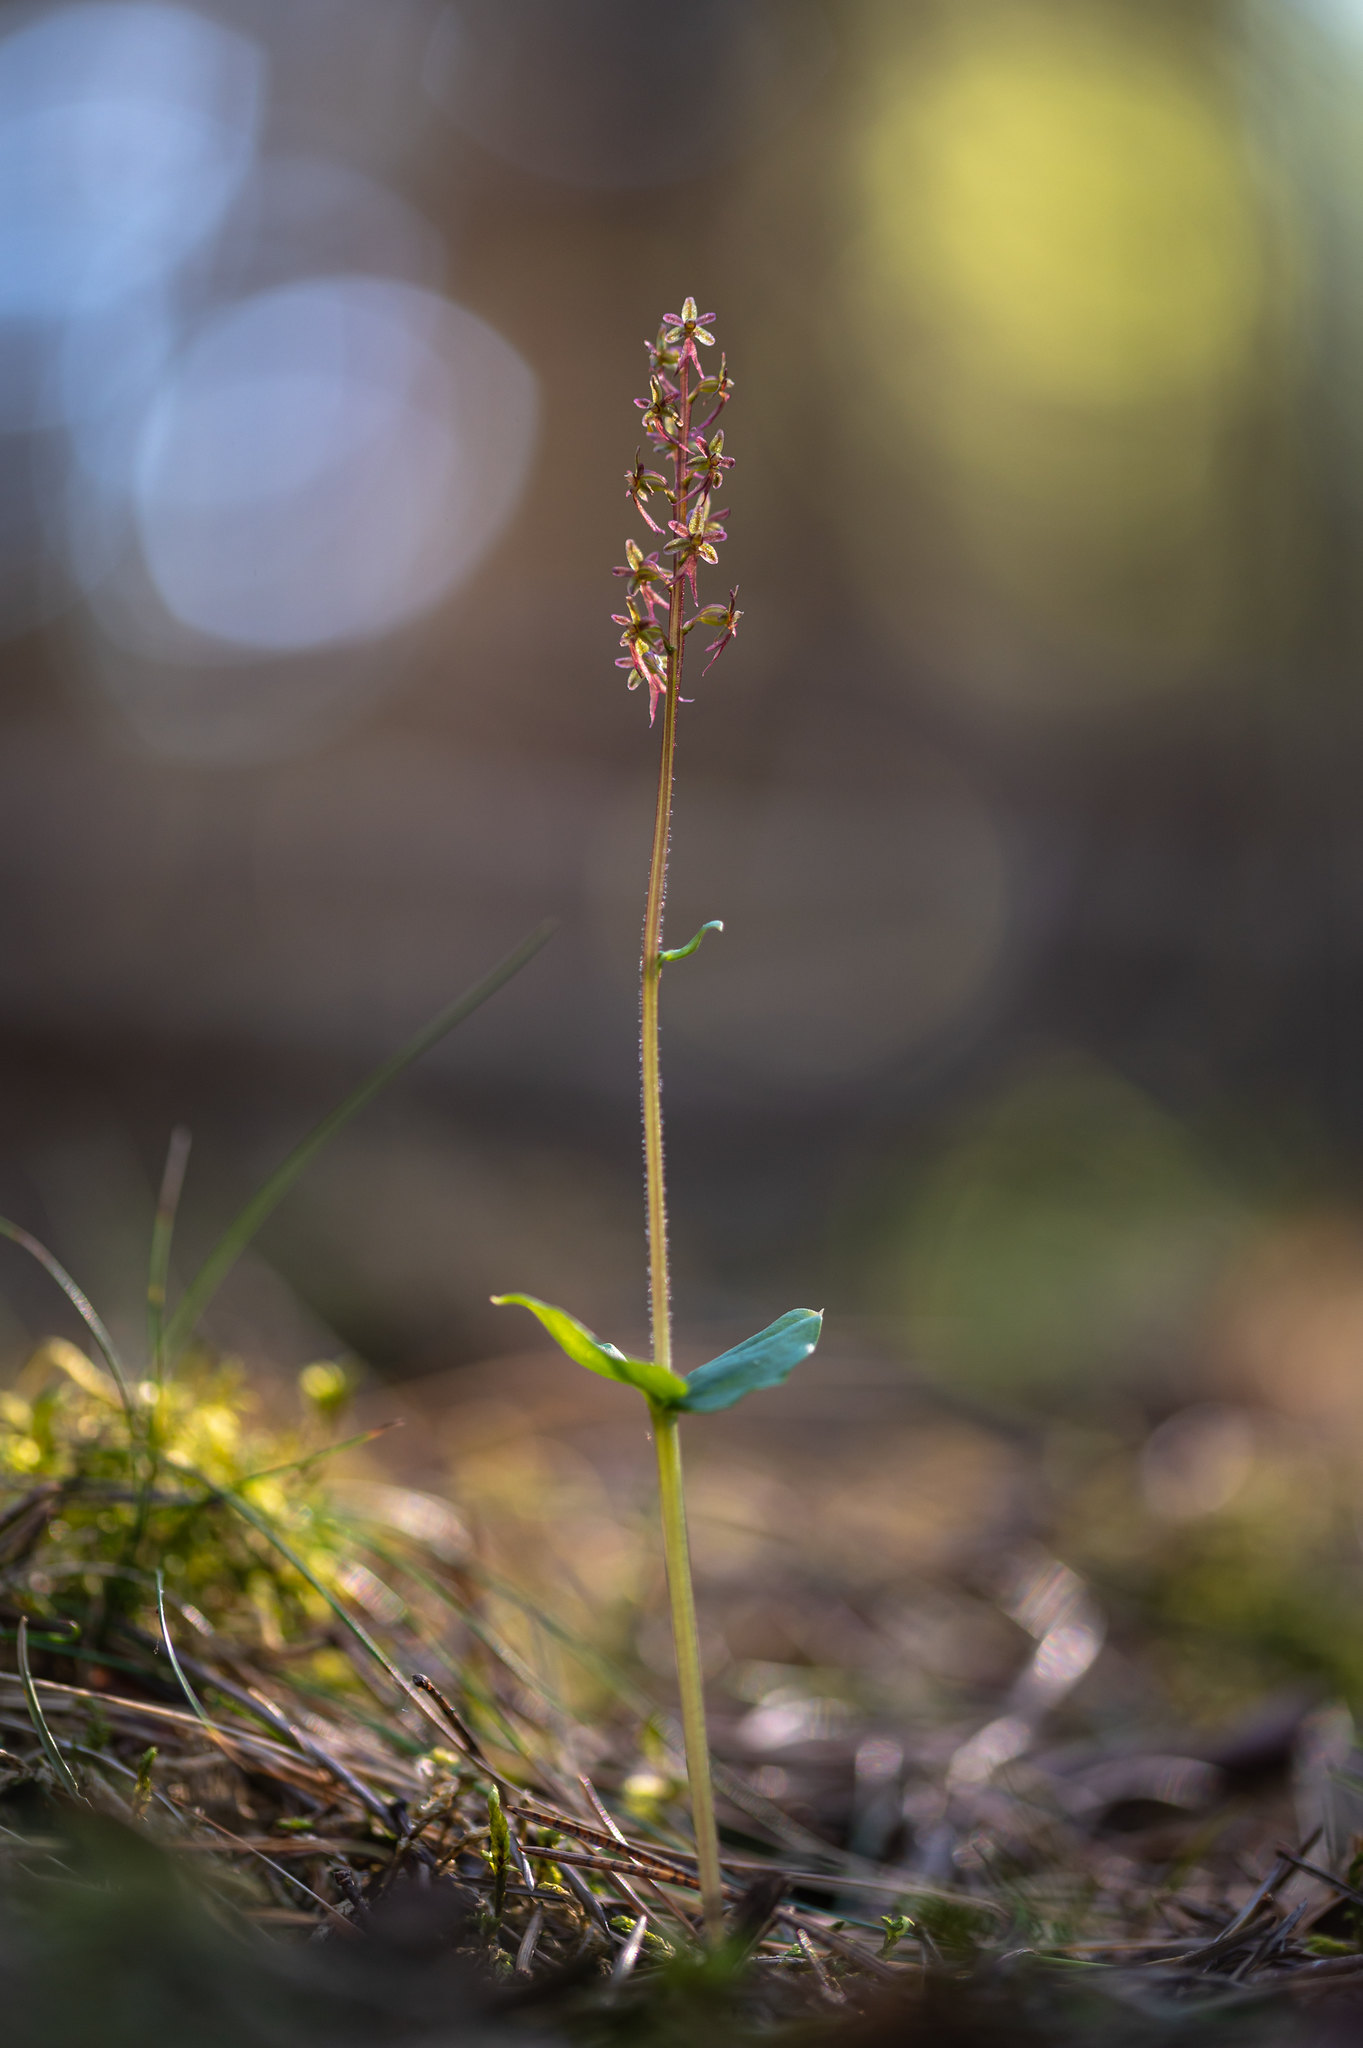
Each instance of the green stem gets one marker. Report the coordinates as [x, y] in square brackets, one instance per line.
[659, 1286]
[686, 1637]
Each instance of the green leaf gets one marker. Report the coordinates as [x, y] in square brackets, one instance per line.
[715, 924]
[668, 1389]
[180, 1326]
[760, 1361]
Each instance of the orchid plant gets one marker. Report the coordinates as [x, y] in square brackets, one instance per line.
[680, 417]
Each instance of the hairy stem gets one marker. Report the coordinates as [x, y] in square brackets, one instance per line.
[686, 1637]
[659, 1284]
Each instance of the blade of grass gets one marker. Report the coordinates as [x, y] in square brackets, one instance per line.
[162, 1234]
[618, 1680]
[79, 1301]
[80, 1653]
[499, 1850]
[262, 1525]
[348, 1443]
[629, 1954]
[249, 1849]
[255, 1702]
[393, 1555]
[61, 1768]
[379, 1536]
[238, 1234]
[496, 1714]
[175, 1665]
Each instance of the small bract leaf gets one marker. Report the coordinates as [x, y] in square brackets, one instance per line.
[715, 924]
[666, 1388]
[761, 1361]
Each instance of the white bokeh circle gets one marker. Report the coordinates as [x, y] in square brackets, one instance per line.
[329, 459]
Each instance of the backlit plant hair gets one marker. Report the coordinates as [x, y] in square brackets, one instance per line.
[680, 417]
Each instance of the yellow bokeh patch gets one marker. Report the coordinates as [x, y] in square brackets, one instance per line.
[1071, 202]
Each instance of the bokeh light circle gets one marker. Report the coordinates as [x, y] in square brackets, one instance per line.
[1061, 293]
[125, 132]
[330, 458]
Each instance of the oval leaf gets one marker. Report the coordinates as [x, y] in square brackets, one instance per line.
[660, 1385]
[760, 1361]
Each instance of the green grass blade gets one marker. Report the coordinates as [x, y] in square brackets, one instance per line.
[238, 1234]
[144, 1787]
[499, 1850]
[79, 1301]
[372, 1544]
[162, 1234]
[175, 1665]
[64, 1774]
[309, 1458]
[263, 1526]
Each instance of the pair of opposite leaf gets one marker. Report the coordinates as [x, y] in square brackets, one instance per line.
[761, 1361]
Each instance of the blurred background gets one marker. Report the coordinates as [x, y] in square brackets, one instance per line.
[1031, 794]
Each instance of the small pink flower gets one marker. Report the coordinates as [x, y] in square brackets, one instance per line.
[661, 421]
[720, 387]
[662, 357]
[641, 483]
[648, 579]
[697, 540]
[688, 327]
[644, 647]
[708, 462]
[725, 615]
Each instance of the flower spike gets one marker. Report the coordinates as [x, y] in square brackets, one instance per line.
[661, 587]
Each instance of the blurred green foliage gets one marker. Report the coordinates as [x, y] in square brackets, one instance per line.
[1066, 1230]
[92, 1516]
